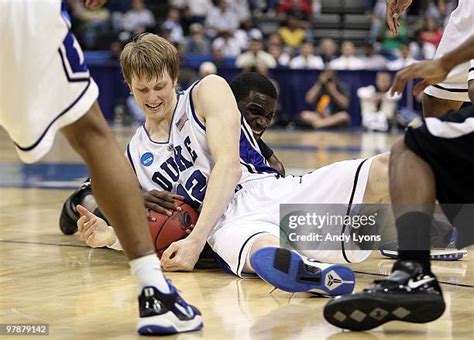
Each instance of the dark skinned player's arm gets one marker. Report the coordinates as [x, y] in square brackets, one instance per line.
[271, 158]
[433, 71]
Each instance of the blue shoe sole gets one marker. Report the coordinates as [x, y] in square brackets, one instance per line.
[287, 271]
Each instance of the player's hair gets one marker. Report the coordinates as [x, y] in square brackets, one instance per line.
[148, 56]
[252, 81]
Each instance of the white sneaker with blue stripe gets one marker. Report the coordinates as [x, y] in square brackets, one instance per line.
[291, 272]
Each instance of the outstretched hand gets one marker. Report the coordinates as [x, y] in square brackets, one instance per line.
[93, 230]
[431, 72]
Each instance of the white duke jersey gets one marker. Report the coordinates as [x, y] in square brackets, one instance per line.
[183, 163]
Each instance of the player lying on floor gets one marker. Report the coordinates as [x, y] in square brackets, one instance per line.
[196, 144]
[256, 100]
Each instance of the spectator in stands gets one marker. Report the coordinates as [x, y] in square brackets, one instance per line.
[404, 60]
[282, 58]
[222, 20]
[429, 36]
[228, 44]
[173, 24]
[274, 39]
[348, 60]
[330, 98]
[197, 42]
[139, 19]
[441, 10]
[255, 55]
[262, 69]
[300, 10]
[373, 60]
[378, 107]
[291, 34]
[247, 32]
[206, 69]
[241, 7]
[328, 48]
[186, 20]
[220, 60]
[377, 19]
[391, 41]
[92, 23]
[218, 57]
[306, 59]
[117, 9]
[197, 8]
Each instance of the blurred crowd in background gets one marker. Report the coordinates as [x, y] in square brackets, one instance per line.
[262, 36]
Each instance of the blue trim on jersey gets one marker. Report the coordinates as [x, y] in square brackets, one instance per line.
[129, 155]
[244, 123]
[201, 125]
[251, 157]
[178, 94]
[35, 144]
[65, 14]
[71, 80]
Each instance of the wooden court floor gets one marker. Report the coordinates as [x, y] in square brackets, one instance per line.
[84, 293]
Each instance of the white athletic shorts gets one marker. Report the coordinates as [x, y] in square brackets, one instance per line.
[459, 28]
[255, 210]
[44, 83]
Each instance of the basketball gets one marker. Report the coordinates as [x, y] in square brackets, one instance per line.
[168, 229]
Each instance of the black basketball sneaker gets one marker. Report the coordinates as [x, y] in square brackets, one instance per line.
[166, 313]
[69, 214]
[406, 295]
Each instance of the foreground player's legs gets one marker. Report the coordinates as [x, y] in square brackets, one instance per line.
[411, 293]
[117, 192]
[293, 272]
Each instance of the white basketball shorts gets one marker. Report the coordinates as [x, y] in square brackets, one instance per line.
[44, 84]
[254, 210]
[459, 28]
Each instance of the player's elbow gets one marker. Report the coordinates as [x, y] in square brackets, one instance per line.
[236, 172]
[233, 170]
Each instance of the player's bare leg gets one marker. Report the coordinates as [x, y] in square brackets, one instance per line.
[377, 182]
[117, 192]
[411, 287]
[435, 107]
[411, 180]
[292, 272]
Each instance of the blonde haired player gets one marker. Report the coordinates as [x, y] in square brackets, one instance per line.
[45, 87]
[196, 144]
[458, 86]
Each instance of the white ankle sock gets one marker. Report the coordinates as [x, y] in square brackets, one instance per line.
[147, 270]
